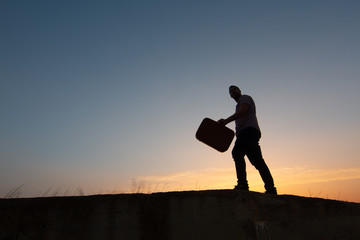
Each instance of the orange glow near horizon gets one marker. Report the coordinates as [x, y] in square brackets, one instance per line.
[336, 184]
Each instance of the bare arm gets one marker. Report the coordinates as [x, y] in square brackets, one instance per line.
[239, 113]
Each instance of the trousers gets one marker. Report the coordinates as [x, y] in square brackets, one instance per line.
[247, 144]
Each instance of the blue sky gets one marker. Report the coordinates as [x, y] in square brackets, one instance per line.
[95, 94]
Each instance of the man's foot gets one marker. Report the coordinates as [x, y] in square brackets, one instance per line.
[241, 187]
[271, 191]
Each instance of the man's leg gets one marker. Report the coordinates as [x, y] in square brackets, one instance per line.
[240, 166]
[255, 157]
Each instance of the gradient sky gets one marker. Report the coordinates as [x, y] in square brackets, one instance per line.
[106, 96]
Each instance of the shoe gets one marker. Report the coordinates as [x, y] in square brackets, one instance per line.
[271, 191]
[241, 187]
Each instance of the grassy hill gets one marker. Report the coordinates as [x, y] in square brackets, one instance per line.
[212, 214]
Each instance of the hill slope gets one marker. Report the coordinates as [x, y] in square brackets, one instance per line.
[213, 214]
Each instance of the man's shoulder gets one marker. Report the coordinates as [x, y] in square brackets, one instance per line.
[246, 99]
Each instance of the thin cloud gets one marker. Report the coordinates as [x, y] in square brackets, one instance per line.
[213, 178]
[299, 175]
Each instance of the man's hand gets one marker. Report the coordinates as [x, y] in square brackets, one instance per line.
[239, 113]
[222, 121]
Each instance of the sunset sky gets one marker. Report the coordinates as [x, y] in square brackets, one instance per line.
[106, 96]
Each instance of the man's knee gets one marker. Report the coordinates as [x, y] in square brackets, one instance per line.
[234, 153]
[257, 160]
[260, 165]
[238, 152]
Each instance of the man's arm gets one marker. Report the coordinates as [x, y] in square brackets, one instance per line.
[239, 113]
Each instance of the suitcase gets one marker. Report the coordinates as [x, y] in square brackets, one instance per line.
[215, 134]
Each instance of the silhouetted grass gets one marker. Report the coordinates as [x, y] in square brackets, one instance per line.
[15, 192]
[141, 186]
[137, 186]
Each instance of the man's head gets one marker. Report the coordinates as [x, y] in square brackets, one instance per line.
[235, 92]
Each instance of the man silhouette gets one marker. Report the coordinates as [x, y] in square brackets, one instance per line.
[247, 141]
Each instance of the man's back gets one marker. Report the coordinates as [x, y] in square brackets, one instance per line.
[249, 119]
